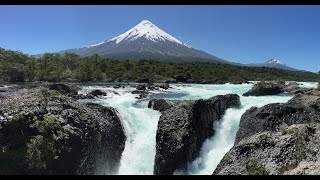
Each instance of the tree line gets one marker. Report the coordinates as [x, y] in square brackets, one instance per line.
[18, 67]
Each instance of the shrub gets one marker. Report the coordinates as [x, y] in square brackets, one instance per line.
[254, 168]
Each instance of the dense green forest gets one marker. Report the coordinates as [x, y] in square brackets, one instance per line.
[18, 67]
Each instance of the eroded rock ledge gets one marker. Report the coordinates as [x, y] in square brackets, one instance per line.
[183, 128]
[277, 139]
[45, 132]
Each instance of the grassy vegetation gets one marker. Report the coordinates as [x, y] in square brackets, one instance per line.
[287, 131]
[301, 151]
[254, 168]
[186, 104]
[287, 168]
[18, 67]
[227, 156]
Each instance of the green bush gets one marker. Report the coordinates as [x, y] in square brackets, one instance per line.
[254, 168]
[301, 151]
[48, 124]
[36, 152]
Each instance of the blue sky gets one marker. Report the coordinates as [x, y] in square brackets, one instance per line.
[244, 34]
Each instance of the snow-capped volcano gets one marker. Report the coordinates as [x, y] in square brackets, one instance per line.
[149, 31]
[146, 41]
[146, 30]
[274, 63]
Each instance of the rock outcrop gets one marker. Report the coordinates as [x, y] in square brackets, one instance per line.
[142, 93]
[97, 92]
[183, 128]
[160, 104]
[64, 89]
[280, 138]
[45, 132]
[141, 87]
[143, 80]
[182, 79]
[265, 88]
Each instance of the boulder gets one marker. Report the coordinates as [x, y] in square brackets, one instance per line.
[97, 92]
[141, 87]
[143, 80]
[280, 138]
[142, 94]
[183, 128]
[82, 96]
[164, 86]
[64, 89]
[293, 88]
[236, 82]
[151, 87]
[265, 88]
[295, 84]
[182, 79]
[117, 86]
[160, 104]
[170, 80]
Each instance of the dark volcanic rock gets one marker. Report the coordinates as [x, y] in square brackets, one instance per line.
[236, 82]
[106, 154]
[45, 132]
[151, 87]
[240, 82]
[182, 79]
[280, 138]
[160, 104]
[64, 89]
[82, 96]
[97, 92]
[165, 86]
[117, 86]
[171, 80]
[142, 94]
[183, 128]
[300, 109]
[265, 88]
[295, 84]
[144, 80]
[141, 87]
[293, 88]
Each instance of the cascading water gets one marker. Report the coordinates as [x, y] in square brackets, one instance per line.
[141, 122]
[216, 147]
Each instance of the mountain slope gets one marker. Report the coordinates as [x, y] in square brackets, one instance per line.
[273, 63]
[146, 41]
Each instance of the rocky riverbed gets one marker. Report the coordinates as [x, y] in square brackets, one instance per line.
[145, 128]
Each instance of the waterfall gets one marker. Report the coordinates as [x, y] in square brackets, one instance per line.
[140, 124]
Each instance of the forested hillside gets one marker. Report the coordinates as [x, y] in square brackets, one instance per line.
[18, 67]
